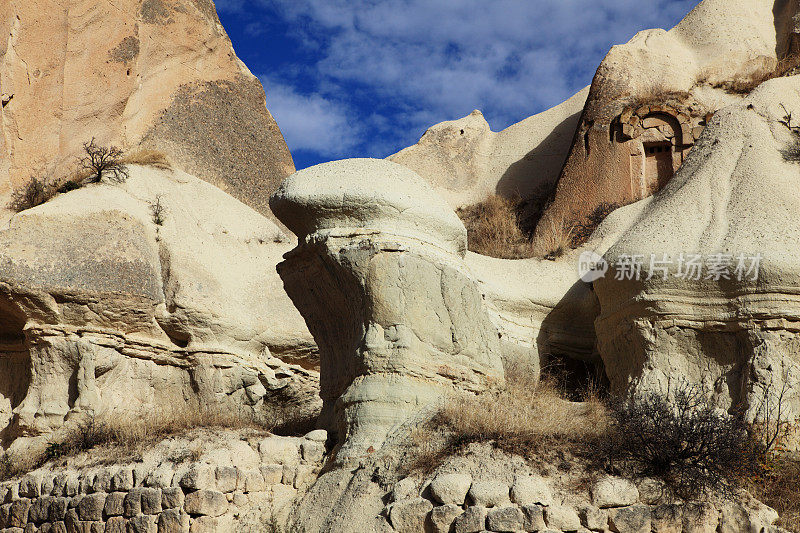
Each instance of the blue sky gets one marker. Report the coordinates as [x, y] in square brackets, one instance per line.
[365, 78]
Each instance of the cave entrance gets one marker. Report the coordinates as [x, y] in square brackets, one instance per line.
[658, 167]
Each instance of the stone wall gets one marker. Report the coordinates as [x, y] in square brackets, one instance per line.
[458, 503]
[247, 487]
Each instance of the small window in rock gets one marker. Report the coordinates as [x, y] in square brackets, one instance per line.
[462, 132]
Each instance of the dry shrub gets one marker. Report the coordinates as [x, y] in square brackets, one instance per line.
[524, 418]
[38, 189]
[103, 161]
[584, 228]
[683, 438]
[148, 157]
[745, 82]
[493, 228]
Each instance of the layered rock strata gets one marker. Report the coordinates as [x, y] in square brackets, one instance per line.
[106, 310]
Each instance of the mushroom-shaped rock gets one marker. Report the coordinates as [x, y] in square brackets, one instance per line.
[370, 195]
[379, 276]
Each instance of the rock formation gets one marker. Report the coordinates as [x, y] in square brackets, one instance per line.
[651, 97]
[156, 73]
[380, 278]
[731, 323]
[465, 161]
[107, 312]
[543, 312]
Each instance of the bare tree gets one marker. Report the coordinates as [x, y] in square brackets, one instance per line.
[104, 161]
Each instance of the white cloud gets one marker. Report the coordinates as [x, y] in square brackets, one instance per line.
[449, 57]
[396, 67]
[310, 121]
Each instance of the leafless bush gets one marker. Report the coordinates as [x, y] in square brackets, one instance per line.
[35, 191]
[683, 439]
[158, 211]
[791, 152]
[103, 161]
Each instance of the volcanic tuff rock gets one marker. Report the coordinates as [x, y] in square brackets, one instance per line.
[94, 294]
[734, 333]
[380, 278]
[673, 79]
[465, 161]
[157, 73]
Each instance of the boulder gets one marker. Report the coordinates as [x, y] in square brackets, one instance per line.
[488, 493]
[631, 519]
[667, 518]
[505, 519]
[531, 490]
[154, 73]
[700, 517]
[593, 518]
[472, 520]
[408, 516]
[611, 491]
[450, 488]
[205, 502]
[442, 517]
[562, 518]
[533, 518]
[379, 276]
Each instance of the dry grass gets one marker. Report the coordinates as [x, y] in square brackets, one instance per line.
[126, 439]
[493, 228]
[657, 95]
[147, 157]
[553, 239]
[527, 418]
[745, 82]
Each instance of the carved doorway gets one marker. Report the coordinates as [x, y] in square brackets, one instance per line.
[658, 166]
